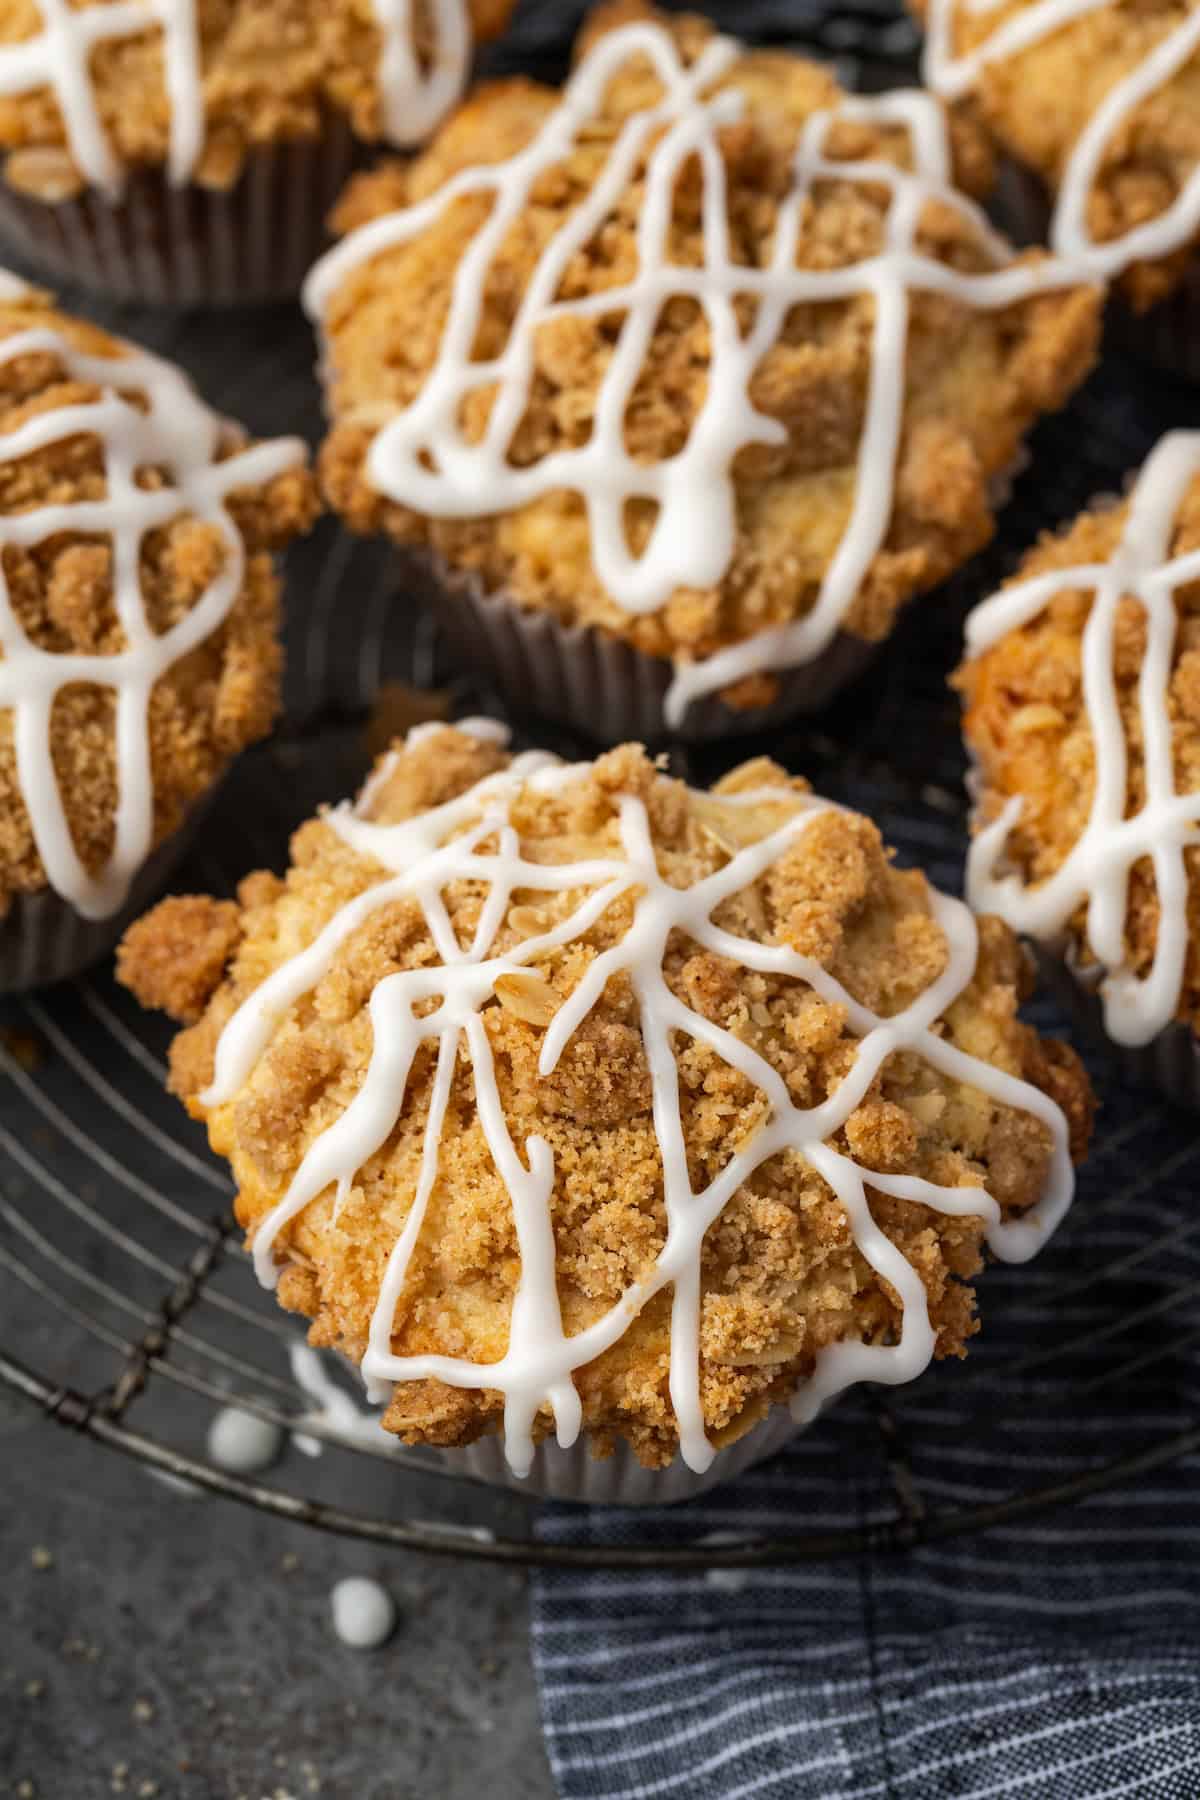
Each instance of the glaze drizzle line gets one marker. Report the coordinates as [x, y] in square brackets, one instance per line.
[59, 58]
[1097, 871]
[450, 844]
[954, 76]
[178, 434]
[414, 99]
[422, 458]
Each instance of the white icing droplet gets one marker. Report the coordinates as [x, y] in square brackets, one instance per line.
[422, 458]
[364, 1614]
[444, 845]
[242, 1442]
[59, 58]
[178, 433]
[1098, 869]
[953, 76]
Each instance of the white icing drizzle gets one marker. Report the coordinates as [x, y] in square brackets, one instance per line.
[446, 845]
[422, 458]
[953, 76]
[1098, 869]
[59, 58]
[333, 1409]
[181, 436]
[415, 99]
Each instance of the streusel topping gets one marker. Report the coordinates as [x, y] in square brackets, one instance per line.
[573, 1097]
[816, 360]
[1082, 701]
[90, 89]
[136, 532]
[1103, 103]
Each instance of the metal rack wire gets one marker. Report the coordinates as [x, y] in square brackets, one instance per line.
[115, 1223]
[128, 1311]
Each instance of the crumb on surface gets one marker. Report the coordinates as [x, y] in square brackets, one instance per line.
[273, 70]
[211, 703]
[976, 380]
[781, 1276]
[25, 1050]
[1028, 725]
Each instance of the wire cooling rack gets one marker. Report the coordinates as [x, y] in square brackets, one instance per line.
[128, 1310]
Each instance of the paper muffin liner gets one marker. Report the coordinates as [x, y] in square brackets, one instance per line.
[1170, 1062]
[191, 246]
[43, 939]
[616, 1480]
[1168, 336]
[601, 685]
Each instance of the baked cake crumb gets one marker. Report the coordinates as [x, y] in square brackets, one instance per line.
[782, 1276]
[212, 702]
[1031, 730]
[976, 379]
[271, 71]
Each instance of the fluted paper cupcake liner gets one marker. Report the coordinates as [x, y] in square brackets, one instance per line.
[1167, 336]
[601, 685]
[1170, 1062]
[43, 939]
[191, 246]
[616, 1480]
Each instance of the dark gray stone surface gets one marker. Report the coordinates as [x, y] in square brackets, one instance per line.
[181, 1648]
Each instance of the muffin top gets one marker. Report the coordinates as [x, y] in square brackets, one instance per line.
[1103, 102]
[701, 351]
[92, 88]
[138, 607]
[571, 1096]
[1082, 698]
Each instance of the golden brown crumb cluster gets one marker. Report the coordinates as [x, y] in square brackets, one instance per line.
[1028, 724]
[211, 703]
[781, 1275]
[1038, 103]
[271, 69]
[975, 380]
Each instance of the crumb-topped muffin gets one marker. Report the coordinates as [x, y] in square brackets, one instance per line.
[139, 622]
[1101, 104]
[189, 152]
[701, 365]
[1082, 710]
[567, 1097]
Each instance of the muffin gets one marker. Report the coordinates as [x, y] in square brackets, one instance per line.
[189, 153]
[679, 383]
[139, 614]
[569, 1099]
[1099, 109]
[1082, 698]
